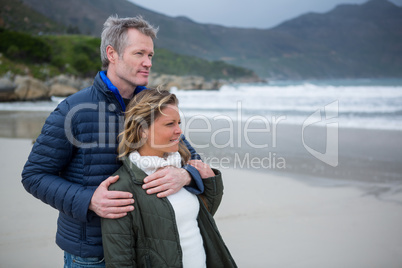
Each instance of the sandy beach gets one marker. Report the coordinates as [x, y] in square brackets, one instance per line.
[28, 226]
[276, 221]
[267, 219]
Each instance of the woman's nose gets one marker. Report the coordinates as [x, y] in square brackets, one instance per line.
[178, 130]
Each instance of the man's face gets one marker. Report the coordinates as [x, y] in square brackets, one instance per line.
[133, 65]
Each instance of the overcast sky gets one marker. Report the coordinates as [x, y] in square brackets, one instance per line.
[245, 13]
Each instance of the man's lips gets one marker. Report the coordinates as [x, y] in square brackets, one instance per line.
[144, 72]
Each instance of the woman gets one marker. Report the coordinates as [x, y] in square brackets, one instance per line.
[177, 231]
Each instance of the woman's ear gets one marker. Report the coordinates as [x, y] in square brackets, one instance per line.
[144, 133]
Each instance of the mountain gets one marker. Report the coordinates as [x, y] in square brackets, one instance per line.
[15, 15]
[29, 39]
[350, 41]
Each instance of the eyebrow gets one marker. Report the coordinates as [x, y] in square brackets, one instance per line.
[145, 51]
[170, 119]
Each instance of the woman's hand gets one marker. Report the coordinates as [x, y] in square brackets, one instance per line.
[204, 169]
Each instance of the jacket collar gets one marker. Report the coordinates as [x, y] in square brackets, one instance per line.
[137, 174]
[113, 89]
[101, 87]
[109, 85]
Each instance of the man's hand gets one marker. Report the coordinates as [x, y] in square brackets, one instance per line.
[204, 169]
[166, 181]
[111, 204]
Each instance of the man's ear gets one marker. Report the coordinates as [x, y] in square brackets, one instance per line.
[111, 54]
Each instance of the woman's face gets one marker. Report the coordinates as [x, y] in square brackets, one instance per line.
[163, 136]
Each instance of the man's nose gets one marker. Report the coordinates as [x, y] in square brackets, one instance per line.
[147, 62]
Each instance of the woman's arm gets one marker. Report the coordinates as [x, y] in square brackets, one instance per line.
[118, 242]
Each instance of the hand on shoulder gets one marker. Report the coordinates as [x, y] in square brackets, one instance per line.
[204, 169]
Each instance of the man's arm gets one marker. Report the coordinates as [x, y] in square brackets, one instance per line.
[212, 179]
[50, 155]
[196, 185]
[194, 154]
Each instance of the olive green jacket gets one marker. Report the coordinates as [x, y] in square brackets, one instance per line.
[148, 236]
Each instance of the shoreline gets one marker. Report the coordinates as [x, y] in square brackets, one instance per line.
[370, 156]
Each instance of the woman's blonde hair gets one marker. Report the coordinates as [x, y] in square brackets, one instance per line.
[140, 114]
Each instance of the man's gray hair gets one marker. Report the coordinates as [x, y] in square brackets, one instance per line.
[115, 34]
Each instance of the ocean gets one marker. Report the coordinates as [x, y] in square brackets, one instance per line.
[373, 104]
[364, 103]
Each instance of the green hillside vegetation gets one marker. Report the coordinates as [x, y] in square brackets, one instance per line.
[23, 47]
[48, 55]
[75, 54]
[167, 62]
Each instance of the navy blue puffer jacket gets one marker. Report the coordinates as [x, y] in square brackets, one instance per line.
[75, 152]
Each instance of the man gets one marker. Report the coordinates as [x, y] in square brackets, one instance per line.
[72, 160]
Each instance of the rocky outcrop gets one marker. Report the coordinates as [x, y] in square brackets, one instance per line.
[60, 90]
[29, 88]
[183, 82]
[7, 88]
[26, 88]
[70, 81]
